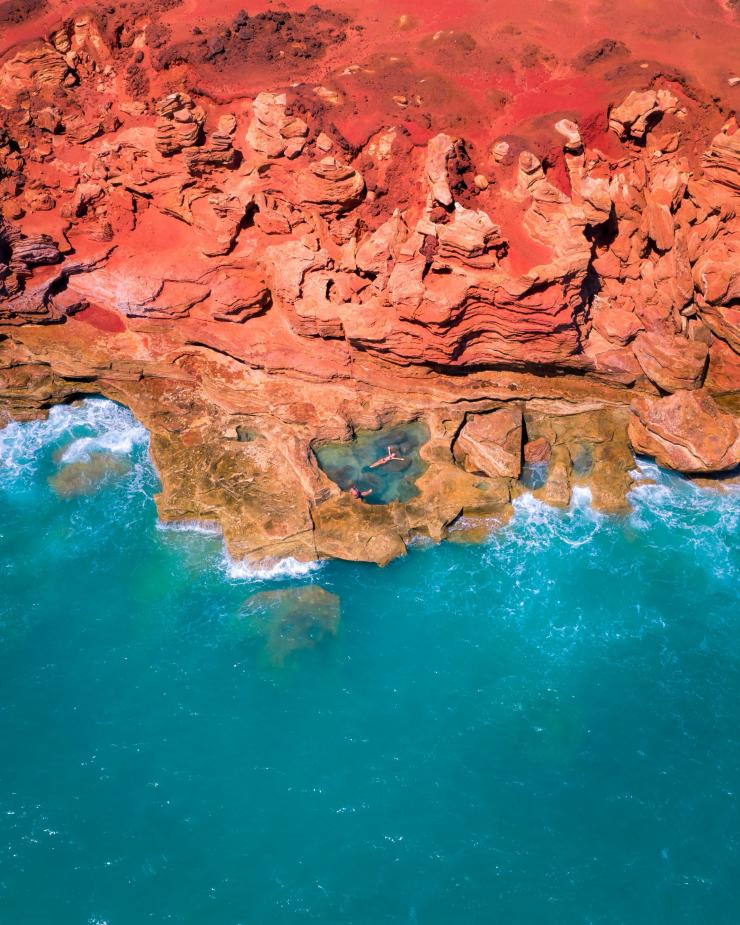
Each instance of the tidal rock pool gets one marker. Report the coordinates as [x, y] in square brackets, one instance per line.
[382, 465]
[541, 729]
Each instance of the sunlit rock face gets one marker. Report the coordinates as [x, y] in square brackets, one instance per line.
[299, 224]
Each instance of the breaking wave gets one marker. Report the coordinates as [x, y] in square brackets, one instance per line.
[190, 526]
[242, 570]
[92, 425]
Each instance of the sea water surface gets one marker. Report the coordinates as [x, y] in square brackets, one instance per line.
[542, 729]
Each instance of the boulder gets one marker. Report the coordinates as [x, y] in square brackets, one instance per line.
[686, 431]
[180, 124]
[349, 529]
[636, 115]
[723, 374]
[537, 451]
[617, 325]
[34, 67]
[330, 185]
[491, 444]
[671, 362]
[439, 150]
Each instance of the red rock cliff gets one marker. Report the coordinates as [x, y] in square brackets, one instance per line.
[299, 221]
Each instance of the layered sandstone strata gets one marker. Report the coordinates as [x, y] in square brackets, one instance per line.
[252, 279]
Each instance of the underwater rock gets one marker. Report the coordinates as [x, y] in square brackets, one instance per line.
[86, 476]
[291, 619]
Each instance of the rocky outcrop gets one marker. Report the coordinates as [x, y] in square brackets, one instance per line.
[330, 186]
[180, 124]
[640, 112]
[721, 161]
[491, 444]
[254, 258]
[685, 431]
[36, 66]
[273, 133]
[670, 362]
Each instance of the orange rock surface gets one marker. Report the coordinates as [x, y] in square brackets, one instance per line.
[296, 221]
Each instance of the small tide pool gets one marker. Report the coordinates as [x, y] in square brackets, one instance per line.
[359, 463]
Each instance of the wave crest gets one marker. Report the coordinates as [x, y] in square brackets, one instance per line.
[243, 570]
[94, 424]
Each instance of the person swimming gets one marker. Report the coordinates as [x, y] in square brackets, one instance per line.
[390, 456]
[355, 492]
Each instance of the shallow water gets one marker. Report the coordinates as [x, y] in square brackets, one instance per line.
[543, 729]
[352, 464]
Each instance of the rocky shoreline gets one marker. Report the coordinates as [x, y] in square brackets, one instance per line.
[252, 281]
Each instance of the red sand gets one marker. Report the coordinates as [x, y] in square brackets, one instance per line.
[501, 67]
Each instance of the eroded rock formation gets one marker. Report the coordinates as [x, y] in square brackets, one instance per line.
[255, 260]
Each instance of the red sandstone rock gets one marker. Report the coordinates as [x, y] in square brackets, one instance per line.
[569, 131]
[672, 363]
[615, 324]
[439, 150]
[330, 185]
[639, 111]
[467, 239]
[209, 231]
[721, 161]
[685, 431]
[537, 451]
[491, 444]
[724, 368]
[273, 133]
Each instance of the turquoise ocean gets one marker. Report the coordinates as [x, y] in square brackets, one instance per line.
[541, 729]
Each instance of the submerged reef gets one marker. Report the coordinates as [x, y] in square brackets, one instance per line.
[291, 619]
[278, 233]
[86, 476]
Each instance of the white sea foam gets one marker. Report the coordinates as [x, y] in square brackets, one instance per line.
[207, 528]
[704, 517]
[114, 430]
[537, 522]
[672, 498]
[120, 442]
[243, 570]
